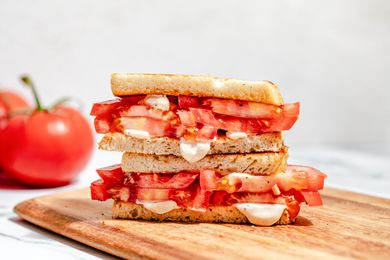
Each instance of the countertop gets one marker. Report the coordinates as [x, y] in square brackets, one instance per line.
[367, 173]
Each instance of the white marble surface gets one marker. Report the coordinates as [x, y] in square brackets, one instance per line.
[351, 170]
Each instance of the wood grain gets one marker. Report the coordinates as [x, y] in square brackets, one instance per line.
[350, 225]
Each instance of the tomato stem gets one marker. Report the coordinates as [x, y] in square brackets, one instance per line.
[28, 82]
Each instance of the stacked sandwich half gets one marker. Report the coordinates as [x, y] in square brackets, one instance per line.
[200, 149]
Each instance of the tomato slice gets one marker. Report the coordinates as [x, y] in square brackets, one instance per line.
[262, 197]
[105, 106]
[300, 177]
[219, 198]
[144, 111]
[102, 125]
[186, 118]
[153, 194]
[206, 133]
[153, 126]
[99, 191]
[178, 181]
[205, 116]
[312, 198]
[201, 200]
[185, 102]
[111, 175]
[208, 180]
[287, 119]
[244, 109]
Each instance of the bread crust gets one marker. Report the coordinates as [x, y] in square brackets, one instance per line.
[219, 214]
[200, 86]
[267, 163]
[267, 142]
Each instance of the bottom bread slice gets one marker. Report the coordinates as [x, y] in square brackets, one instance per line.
[221, 214]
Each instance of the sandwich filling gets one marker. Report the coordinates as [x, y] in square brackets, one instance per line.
[262, 199]
[195, 121]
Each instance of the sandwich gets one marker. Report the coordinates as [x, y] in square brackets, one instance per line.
[201, 149]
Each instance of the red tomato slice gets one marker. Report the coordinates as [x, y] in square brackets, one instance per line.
[244, 109]
[105, 107]
[201, 200]
[312, 198]
[264, 197]
[301, 178]
[178, 181]
[205, 116]
[102, 125]
[236, 124]
[144, 111]
[219, 198]
[99, 191]
[243, 183]
[287, 119]
[111, 175]
[208, 180]
[153, 194]
[186, 102]
[206, 133]
[186, 118]
[153, 126]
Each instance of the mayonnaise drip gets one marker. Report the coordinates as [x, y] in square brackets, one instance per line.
[158, 207]
[261, 214]
[193, 152]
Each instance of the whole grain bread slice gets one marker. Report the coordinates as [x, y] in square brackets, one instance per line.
[200, 86]
[267, 142]
[266, 163]
[228, 214]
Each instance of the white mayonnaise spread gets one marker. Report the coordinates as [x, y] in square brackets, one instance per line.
[193, 152]
[236, 135]
[140, 134]
[158, 207]
[261, 214]
[157, 101]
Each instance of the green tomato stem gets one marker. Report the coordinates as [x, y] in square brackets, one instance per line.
[28, 82]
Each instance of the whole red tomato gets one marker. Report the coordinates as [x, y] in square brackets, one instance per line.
[9, 103]
[47, 147]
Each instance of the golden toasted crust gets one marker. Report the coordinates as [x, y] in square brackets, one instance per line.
[128, 210]
[200, 86]
[267, 163]
[267, 142]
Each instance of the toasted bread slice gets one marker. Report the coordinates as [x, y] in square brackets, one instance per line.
[267, 163]
[228, 214]
[267, 142]
[199, 86]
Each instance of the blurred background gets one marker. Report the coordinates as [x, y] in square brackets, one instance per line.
[332, 56]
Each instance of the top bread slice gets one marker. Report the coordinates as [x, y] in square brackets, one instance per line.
[199, 86]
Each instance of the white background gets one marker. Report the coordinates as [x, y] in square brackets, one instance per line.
[333, 56]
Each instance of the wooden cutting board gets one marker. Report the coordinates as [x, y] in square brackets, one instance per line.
[350, 225]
